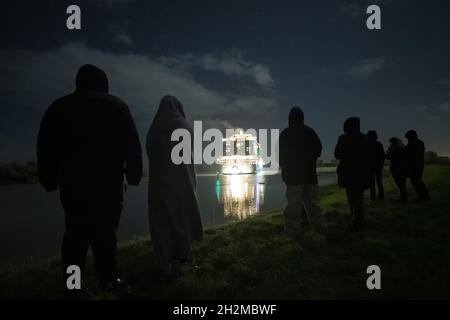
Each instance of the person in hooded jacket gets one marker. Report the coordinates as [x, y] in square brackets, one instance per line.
[415, 153]
[377, 163]
[299, 148]
[173, 209]
[352, 151]
[396, 154]
[87, 142]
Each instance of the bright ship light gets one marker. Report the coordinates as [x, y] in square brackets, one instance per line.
[241, 155]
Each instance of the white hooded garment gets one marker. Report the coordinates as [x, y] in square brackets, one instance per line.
[174, 213]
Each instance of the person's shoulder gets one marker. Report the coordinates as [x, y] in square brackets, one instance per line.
[364, 138]
[308, 129]
[60, 103]
[103, 97]
[284, 132]
[116, 102]
[63, 99]
[113, 99]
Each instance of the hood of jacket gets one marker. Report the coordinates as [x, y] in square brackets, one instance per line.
[352, 125]
[91, 78]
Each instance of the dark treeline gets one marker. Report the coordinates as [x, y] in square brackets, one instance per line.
[432, 157]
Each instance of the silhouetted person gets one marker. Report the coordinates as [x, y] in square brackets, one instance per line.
[174, 213]
[415, 152]
[352, 150]
[396, 154]
[376, 166]
[87, 142]
[299, 148]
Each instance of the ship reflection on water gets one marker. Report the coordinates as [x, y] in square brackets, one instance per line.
[241, 196]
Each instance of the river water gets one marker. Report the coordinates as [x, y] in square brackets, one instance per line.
[32, 221]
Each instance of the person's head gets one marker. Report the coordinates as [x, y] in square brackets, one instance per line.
[352, 125]
[411, 135]
[91, 78]
[170, 106]
[372, 134]
[296, 116]
[396, 142]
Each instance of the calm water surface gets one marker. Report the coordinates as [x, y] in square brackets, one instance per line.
[31, 220]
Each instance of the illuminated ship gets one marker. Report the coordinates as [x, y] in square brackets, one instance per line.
[241, 155]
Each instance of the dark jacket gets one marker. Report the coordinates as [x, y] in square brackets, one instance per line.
[299, 149]
[87, 141]
[396, 154]
[377, 155]
[352, 150]
[415, 153]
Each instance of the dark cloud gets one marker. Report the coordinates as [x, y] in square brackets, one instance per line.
[353, 10]
[140, 80]
[364, 68]
[240, 64]
[232, 64]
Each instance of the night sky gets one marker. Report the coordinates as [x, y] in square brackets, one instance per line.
[234, 63]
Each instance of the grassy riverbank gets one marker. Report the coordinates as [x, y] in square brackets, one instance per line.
[253, 258]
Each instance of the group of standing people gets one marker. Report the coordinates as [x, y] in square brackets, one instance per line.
[88, 142]
[408, 162]
[361, 164]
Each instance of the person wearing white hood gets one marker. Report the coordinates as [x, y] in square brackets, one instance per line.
[174, 214]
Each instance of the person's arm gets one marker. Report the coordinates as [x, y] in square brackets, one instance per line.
[133, 152]
[339, 149]
[381, 155]
[317, 145]
[422, 149]
[47, 159]
[282, 150]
